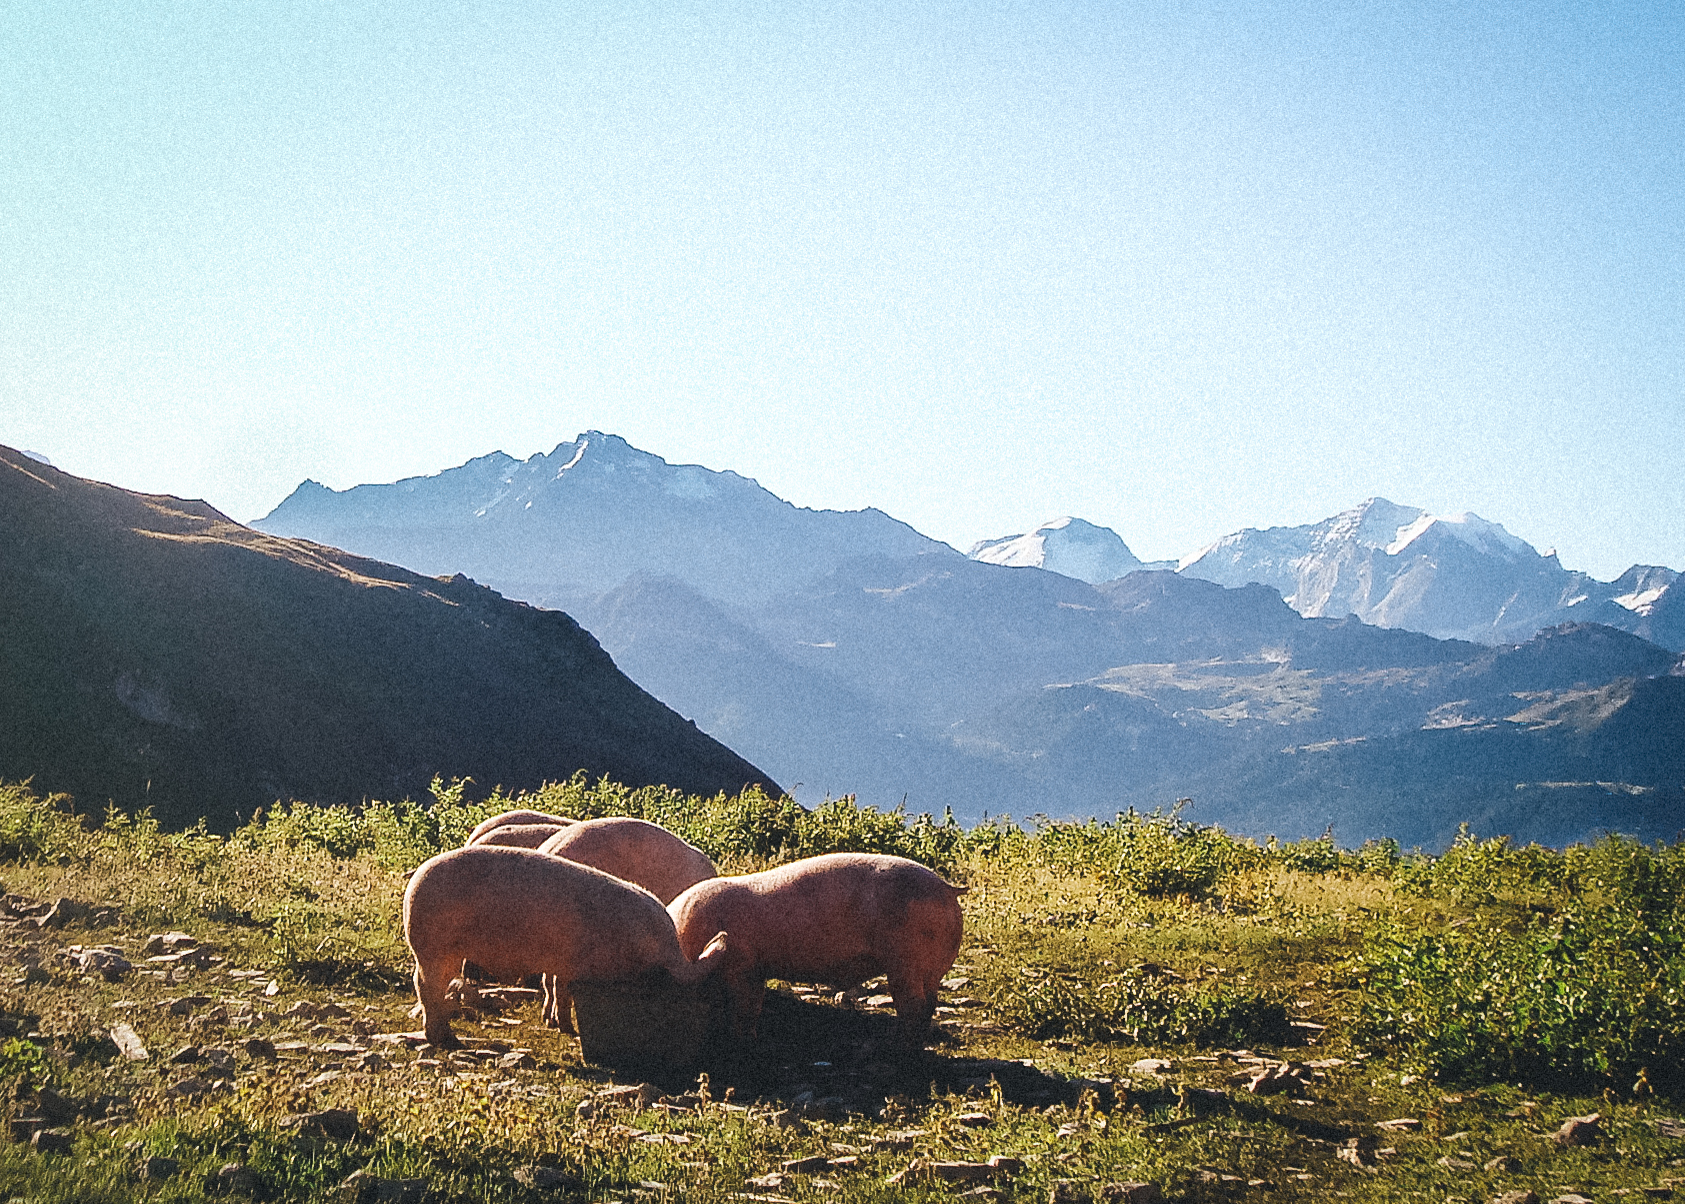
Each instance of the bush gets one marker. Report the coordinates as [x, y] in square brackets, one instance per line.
[1586, 996]
[33, 828]
[1142, 1008]
[1157, 854]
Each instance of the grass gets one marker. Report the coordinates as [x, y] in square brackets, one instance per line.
[1487, 994]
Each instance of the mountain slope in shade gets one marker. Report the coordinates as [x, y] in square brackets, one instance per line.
[588, 516]
[1455, 577]
[153, 652]
[1069, 546]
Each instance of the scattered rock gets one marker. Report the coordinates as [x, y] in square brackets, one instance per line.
[1521, 1196]
[545, 1177]
[260, 1047]
[105, 960]
[1132, 1193]
[233, 1177]
[167, 942]
[1152, 1066]
[1503, 1164]
[1403, 1124]
[1569, 1197]
[1003, 1164]
[128, 1043]
[1674, 1129]
[363, 1188]
[1359, 1152]
[51, 1141]
[186, 1056]
[805, 1166]
[1273, 1079]
[190, 1089]
[184, 1005]
[157, 1167]
[1578, 1130]
[768, 1182]
[517, 1060]
[1456, 1164]
[62, 912]
[337, 1124]
[1066, 1191]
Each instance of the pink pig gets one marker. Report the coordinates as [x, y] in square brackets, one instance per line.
[520, 836]
[838, 919]
[504, 818]
[517, 912]
[642, 853]
[636, 850]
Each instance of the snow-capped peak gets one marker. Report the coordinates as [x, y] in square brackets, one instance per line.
[1487, 537]
[1069, 546]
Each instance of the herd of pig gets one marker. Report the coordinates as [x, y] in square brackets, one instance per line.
[616, 898]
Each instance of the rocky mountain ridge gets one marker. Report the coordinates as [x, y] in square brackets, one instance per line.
[851, 655]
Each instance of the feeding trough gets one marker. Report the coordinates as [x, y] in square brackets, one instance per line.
[650, 1023]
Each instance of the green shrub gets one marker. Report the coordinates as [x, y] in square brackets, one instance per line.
[1474, 871]
[1159, 854]
[1142, 1008]
[1585, 995]
[33, 828]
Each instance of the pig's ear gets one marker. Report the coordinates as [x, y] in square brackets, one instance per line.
[713, 952]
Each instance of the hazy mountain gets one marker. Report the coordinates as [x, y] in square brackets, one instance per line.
[155, 653]
[1457, 577]
[1069, 546]
[588, 516]
[845, 652]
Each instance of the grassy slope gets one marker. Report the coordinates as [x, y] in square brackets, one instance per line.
[1067, 947]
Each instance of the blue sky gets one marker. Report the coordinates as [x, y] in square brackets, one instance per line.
[1174, 268]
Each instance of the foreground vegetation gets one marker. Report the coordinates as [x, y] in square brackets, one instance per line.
[1142, 1000]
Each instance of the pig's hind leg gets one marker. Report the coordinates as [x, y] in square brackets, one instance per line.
[915, 1004]
[435, 1008]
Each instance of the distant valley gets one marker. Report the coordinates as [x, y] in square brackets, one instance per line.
[847, 653]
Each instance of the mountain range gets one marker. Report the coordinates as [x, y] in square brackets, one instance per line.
[847, 652]
[155, 653]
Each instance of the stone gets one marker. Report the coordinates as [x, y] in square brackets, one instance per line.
[363, 1188]
[545, 1178]
[167, 942]
[1003, 1164]
[1578, 1130]
[1569, 1197]
[189, 1089]
[1460, 1165]
[186, 1056]
[960, 1172]
[1403, 1124]
[1520, 1196]
[51, 1141]
[128, 1043]
[232, 1178]
[157, 1167]
[1155, 1066]
[517, 1060]
[974, 1120]
[1132, 1193]
[337, 1124]
[805, 1166]
[62, 912]
[260, 1047]
[1503, 1164]
[768, 1182]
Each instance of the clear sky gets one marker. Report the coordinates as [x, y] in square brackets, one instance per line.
[1175, 268]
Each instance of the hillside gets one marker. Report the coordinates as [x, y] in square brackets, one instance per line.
[155, 653]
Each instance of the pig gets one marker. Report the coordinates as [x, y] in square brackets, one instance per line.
[520, 836]
[636, 850]
[518, 912]
[514, 817]
[839, 919]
